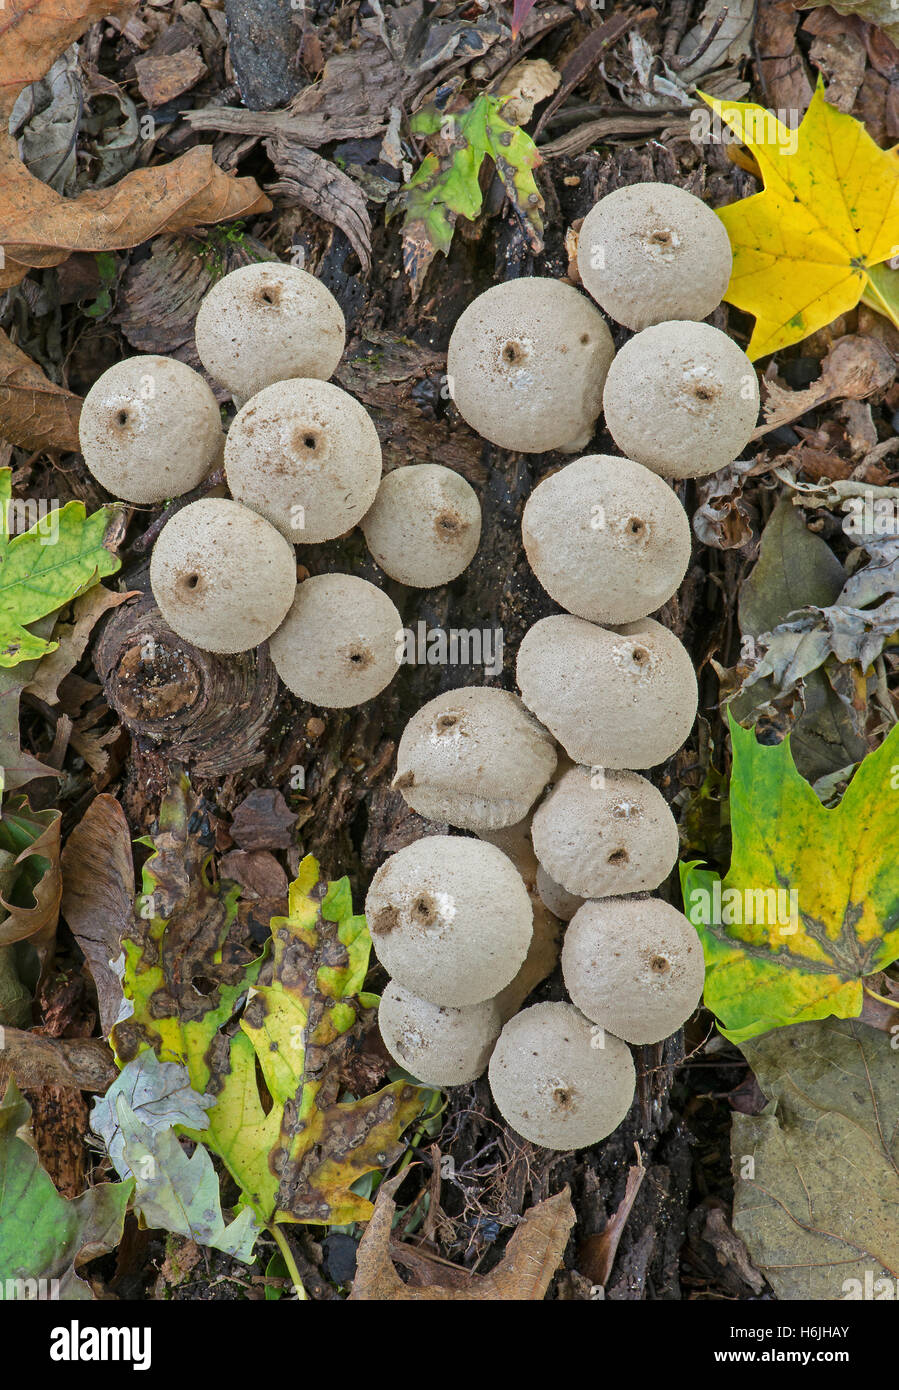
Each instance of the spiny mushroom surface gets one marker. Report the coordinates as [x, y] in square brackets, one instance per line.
[150, 428]
[474, 757]
[556, 898]
[337, 646]
[526, 364]
[557, 1081]
[682, 399]
[650, 252]
[306, 456]
[267, 322]
[603, 834]
[222, 578]
[614, 698]
[607, 538]
[450, 919]
[424, 525]
[634, 966]
[439, 1045]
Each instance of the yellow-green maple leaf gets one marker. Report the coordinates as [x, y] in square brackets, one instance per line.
[804, 248]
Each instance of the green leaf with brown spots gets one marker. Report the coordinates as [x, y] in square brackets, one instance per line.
[447, 184]
[183, 976]
[277, 1122]
[42, 1235]
[810, 903]
[306, 1015]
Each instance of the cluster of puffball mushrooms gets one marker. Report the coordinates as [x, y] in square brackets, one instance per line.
[605, 691]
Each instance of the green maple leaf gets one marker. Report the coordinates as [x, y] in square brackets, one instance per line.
[447, 185]
[60, 557]
[839, 863]
[293, 1147]
[43, 1236]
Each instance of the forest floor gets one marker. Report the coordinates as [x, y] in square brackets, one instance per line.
[318, 116]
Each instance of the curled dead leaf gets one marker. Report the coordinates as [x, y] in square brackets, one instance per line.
[532, 1257]
[40, 228]
[73, 637]
[525, 85]
[32, 883]
[34, 1060]
[854, 368]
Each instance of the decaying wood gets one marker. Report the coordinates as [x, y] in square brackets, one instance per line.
[208, 712]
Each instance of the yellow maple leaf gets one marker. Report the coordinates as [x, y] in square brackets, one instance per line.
[805, 248]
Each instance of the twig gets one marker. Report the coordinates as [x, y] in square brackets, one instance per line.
[677, 64]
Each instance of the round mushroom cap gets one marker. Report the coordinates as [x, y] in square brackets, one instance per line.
[450, 919]
[475, 758]
[267, 322]
[652, 251]
[557, 1081]
[600, 834]
[607, 538]
[424, 526]
[634, 966]
[306, 456]
[682, 399]
[439, 1045]
[222, 578]
[150, 428]
[337, 646]
[526, 364]
[555, 898]
[614, 698]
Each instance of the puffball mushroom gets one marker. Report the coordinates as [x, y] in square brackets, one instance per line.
[337, 646]
[601, 835]
[557, 1081]
[650, 252]
[424, 525]
[450, 919]
[607, 538]
[556, 898]
[150, 428]
[526, 364]
[267, 322]
[306, 456]
[614, 698]
[439, 1045]
[682, 399]
[634, 966]
[474, 757]
[222, 578]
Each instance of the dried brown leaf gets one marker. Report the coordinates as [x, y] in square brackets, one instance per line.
[263, 820]
[855, 367]
[532, 1257]
[597, 1253]
[38, 227]
[34, 32]
[73, 638]
[34, 1060]
[41, 887]
[34, 412]
[98, 895]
